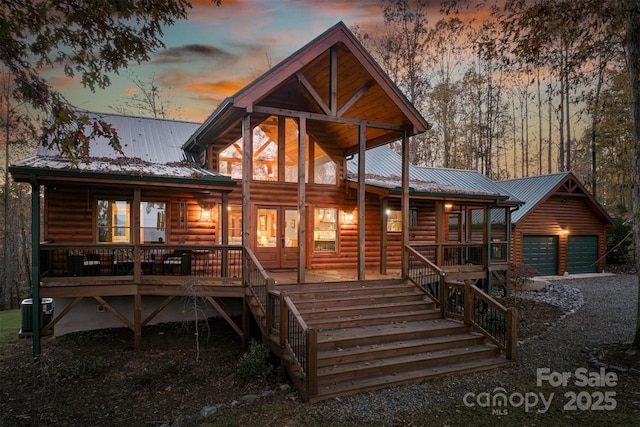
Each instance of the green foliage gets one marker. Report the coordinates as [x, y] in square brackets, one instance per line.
[619, 243]
[87, 39]
[9, 327]
[254, 363]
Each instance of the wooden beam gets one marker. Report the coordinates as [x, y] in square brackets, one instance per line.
[63, 313]
[158, 309]
[384, 203]
[115, 312]
[362, 146]
[247, 172]
[302, 212]
[333, 80]
[359, 94]
[224, 314]
[137, 322]
[316, 97]
[35, 266]
[405, 204]
[326, 118]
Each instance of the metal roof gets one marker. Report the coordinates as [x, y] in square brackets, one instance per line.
[532, 190]
[152, 151]
[140, 137]
[384, 168]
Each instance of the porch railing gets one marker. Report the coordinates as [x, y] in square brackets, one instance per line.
[426, 275]
[299, 342]
[64, 260]
[466, 302]
[454, 254]
[259, 284]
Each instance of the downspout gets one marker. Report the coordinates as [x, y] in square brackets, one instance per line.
[35, 265]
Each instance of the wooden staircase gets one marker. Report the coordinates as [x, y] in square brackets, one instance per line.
[376, 334]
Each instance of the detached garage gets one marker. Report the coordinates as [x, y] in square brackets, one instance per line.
[560, 228]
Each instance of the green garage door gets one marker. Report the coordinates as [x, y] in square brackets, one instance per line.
[583, 253]
[541, 252]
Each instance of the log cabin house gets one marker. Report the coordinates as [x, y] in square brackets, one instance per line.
[560, 228]
[360, 270]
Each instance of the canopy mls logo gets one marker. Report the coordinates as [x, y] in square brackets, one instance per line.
[599, 400]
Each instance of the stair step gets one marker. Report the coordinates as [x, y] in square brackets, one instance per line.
[395, 364]
[395, 348]
[378, 334]
[332, 294]
[327, 391]
[373, 319]
[315, 312]
[345, 301]
[346, 285]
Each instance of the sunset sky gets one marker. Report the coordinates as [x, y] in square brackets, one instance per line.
[219, 50]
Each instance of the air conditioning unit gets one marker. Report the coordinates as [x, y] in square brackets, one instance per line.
[26, 309]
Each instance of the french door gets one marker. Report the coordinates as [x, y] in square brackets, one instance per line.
[276, 236]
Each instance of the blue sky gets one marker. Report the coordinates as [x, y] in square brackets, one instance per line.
[219, 50]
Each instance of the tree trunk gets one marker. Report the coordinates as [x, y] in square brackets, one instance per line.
[632, 25]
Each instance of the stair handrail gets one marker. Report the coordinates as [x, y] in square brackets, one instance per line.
[300, 342]
[492, 319]
[256, 279]
[423, 273]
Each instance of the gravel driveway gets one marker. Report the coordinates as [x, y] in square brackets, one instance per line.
[598, 311]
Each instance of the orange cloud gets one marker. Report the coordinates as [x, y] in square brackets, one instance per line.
[225, 88]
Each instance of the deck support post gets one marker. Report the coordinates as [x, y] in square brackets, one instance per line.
[137, 322]
[246, 324]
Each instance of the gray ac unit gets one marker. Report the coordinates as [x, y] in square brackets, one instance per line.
[26, 308]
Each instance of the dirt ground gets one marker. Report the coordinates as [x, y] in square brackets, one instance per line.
[97, 379]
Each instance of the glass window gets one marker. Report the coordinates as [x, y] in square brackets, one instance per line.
[235, 224]
[325, 233]
[394, 220]
[114, 221]
[267, 228]
[476, 233]
[265, 150]
[324, 168]
[153, 217]
[230, 161]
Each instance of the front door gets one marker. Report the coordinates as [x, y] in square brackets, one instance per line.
[276, 234]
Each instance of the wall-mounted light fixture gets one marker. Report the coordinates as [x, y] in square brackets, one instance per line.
[206, 213]
[347, 217]
[448, 206]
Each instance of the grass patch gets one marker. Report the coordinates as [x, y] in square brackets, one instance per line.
[10, 322]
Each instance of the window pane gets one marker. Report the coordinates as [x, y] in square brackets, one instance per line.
[291, 151]
[153, 222]
[267, 228]
[394, 221]
[324, 167]
[230, 160]
[325, 229]
[265, 150]
[113, 221]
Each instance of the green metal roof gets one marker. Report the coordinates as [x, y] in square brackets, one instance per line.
[531, 190]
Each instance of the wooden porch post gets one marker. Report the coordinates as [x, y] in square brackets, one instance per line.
[362, 141]
[384, 203]
[302, 212]
[405, 203]
[224, 230]
[137, 266]
[35, 265]
[247, 172]
[487, 248]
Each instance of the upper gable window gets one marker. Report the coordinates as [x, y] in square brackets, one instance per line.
[275, 155]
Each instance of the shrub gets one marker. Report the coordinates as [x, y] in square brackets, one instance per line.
[619, 243]
[254, 363]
